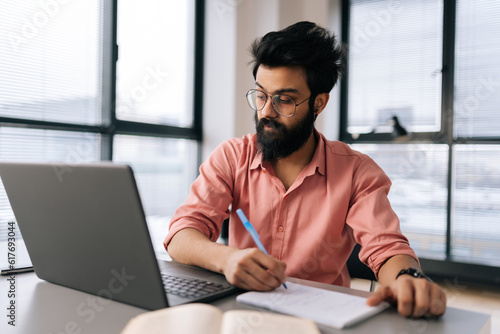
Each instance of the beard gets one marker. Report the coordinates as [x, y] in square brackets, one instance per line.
[282, 142]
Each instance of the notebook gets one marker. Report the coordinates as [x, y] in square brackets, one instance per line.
[330, 308]
[84, 228]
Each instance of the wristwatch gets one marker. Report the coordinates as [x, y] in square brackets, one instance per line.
[413, 272]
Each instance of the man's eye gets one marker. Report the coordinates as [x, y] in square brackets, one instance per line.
[285, 99]
[261, 96]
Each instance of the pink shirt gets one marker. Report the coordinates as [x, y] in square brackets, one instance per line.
[338, 199]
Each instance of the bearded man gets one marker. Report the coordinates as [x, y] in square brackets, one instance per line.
[310, 199]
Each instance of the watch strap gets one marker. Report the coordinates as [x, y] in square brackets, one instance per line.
[413, 272]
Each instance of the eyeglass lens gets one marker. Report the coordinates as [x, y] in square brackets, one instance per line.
[283, 104]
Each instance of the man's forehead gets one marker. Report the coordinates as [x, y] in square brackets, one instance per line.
[283, 79]
[279, 90]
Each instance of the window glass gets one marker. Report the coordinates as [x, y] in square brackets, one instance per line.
[164, 169]
[476, 204]
[419, 191]
[155, 68]
[395, 69]
[477, 69]
[50, 60]
[395, 56]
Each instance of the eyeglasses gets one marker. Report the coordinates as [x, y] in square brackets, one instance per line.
[283, 104]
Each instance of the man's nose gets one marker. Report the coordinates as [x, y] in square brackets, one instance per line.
[268, 110]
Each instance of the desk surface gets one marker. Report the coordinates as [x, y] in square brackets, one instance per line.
[42, 307]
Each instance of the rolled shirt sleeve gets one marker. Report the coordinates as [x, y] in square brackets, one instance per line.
[206, 206]
[375, 225]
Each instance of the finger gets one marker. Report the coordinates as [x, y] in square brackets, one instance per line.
[250, 283]
[405, 297]
[245, 276]
[263, 276]
[282, 281]
[244, 271]
[382, 293]
[422, 297]
[273, 266]
[259, 266]
[256, 283]
[241, 284]
[438, 301]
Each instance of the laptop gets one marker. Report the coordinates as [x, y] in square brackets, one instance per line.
[84, 228]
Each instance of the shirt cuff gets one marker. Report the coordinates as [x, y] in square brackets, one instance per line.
[376, 261]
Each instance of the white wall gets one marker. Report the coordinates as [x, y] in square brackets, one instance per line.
[231, 25]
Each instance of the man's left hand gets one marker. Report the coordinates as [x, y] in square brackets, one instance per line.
[414, 297]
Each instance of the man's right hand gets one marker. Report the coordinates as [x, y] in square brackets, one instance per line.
[251, 269]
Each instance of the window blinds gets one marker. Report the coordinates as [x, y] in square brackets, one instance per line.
[50, 60]
[395, 56]
[477, 69]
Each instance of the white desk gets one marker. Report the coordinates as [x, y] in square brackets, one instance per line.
[42, 307]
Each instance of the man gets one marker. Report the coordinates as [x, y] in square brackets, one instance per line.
[310, 199]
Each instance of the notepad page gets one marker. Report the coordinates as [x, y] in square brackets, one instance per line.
[325, 307]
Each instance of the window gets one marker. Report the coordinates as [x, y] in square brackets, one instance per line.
[164, 170]
[476, 146]
[477, 70]
[61, 81]
[434, 65]
[418, 194]
[153, 81]
[395, 65]
[50, 62]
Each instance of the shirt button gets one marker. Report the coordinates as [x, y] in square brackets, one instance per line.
[280, 229]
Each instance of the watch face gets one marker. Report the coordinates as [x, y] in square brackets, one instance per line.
[413, 272]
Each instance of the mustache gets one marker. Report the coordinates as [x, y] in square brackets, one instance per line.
[269, 122]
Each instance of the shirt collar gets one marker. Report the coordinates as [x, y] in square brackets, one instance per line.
[318, 161]
[319, 158]
[257, 159]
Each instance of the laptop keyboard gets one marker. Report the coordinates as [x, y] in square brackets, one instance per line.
[190, 287]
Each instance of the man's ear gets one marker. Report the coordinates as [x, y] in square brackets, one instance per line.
[320, 102]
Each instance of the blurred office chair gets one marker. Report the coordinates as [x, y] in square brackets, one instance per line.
[358, 269]
[224, 232]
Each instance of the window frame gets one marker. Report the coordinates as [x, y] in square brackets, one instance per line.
[448, 268]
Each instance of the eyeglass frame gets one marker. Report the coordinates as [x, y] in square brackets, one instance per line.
[253, 90]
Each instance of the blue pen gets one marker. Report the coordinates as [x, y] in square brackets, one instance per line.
[253, 233]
